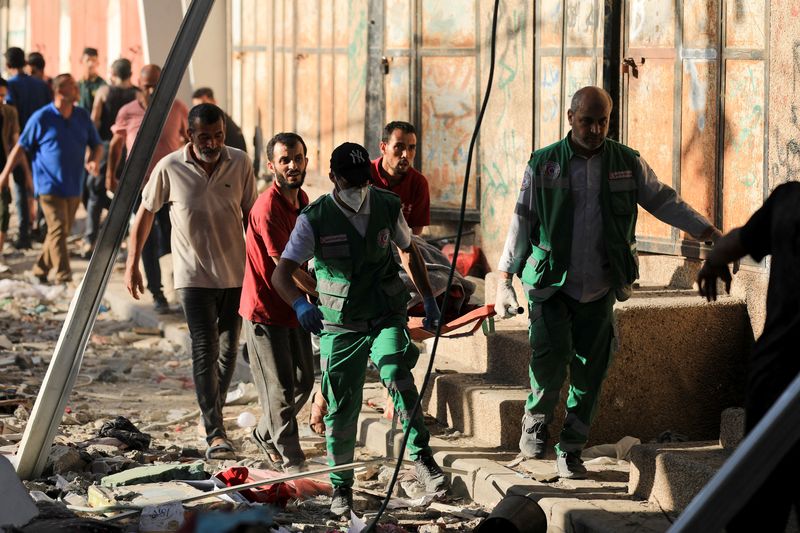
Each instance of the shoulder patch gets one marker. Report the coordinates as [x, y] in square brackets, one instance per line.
[550, 170]
[526, 182]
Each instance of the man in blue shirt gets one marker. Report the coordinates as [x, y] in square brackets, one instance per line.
[27, 94]
[56, 137]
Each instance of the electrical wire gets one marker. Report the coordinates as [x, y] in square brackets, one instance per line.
[417, 405]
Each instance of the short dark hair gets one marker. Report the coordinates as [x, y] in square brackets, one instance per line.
[3, 82]
[203, 92]
[89, 51]
[405, 127]
[59, 80]
[35, 59]
[287, 139]
[121, 68]
[15, 57]
[205, 114]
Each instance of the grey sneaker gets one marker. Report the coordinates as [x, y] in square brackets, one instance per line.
[533, 441]
[570, 466]
[342, 501]
[430, 474]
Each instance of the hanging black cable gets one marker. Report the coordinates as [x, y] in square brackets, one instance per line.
[464, 194]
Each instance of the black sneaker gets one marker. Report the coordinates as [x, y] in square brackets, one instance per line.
[161, 304]
[342, 501]
[533, 441]
[430, 474]
[570, 466]
[20, 244]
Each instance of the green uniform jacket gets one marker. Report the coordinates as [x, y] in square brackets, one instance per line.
[551, 240]
[357, 277]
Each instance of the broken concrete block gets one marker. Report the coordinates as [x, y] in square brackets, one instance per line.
[64, 459]
[144, 494]
[156, 473]
[16, 506]
[159, 518]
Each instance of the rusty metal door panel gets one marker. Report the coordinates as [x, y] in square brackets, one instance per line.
[650, 130]
[448, 24]
[448, 116]
[745, 24]
[341, 101]
[306, 31]
[550, 107]
[699, 134]
[582, 24]
[326, 111]
[549, 23]
[249, 23]
[397, 89]
[341, 23]
[326, 24]
[701, 23]
[397, 32]
[263, 22]
[568, 56]
[44, 30]
[249, 103]
[308, 93]
[743, 181]
[88, 21]
[651, 24]
[579, 72]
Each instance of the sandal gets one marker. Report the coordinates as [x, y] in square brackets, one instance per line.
[269, 450]
[222, 450]
[319, 408]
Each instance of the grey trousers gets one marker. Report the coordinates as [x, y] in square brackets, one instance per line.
[283, 370]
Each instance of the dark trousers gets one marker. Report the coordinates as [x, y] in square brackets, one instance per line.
[95, 199]
[282, 364]
[768, 510]
[21, 202]
[214, 325]
[156, 245]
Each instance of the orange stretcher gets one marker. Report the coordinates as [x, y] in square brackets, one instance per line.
[476, 317]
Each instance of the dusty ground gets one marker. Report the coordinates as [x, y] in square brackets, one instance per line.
[136, 373]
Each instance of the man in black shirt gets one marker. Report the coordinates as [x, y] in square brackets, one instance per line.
[106, 103]
[773, 230]
[233, 133]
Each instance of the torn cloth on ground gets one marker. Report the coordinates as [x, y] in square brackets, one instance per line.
[123, 429]
[278, 493]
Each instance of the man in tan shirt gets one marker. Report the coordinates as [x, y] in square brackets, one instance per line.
[210, 189]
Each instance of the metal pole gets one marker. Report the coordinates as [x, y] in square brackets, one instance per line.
[745, 471]
[66, 361]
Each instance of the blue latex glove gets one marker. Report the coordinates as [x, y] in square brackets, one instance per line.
[432, 314]
[309, 315]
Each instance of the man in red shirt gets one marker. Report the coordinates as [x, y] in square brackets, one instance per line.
[280, 350]
[393, 171]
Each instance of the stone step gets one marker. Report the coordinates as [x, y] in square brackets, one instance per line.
[671, 474]
[680, 362]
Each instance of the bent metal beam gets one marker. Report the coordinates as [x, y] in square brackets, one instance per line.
[68, 355]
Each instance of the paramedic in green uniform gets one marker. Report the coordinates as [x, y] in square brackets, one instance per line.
[362, 309]
[572, 241]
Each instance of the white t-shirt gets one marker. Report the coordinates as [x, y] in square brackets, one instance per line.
[301, 243]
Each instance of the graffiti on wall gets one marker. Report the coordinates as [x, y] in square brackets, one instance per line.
[786, 166]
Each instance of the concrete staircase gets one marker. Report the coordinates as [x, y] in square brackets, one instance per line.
[680, 363]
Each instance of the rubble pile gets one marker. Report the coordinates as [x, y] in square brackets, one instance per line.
[129, 448]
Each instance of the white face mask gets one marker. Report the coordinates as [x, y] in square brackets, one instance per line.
[354, 197]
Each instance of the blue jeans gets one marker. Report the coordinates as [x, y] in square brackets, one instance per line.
[214, 326]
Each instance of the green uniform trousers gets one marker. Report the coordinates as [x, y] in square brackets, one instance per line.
[344, 362]
[566, 333]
